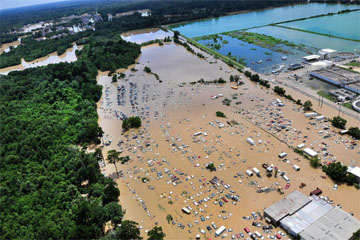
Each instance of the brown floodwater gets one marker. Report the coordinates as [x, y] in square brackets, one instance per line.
[145, 35]
[6, 46]
[171, 114]
[53, 58]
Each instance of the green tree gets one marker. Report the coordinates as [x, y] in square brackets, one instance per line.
[308, 105]
[114, 213]
[354, 132]
[339, 122]
[127, 230]
[114, 78]
[156, 233]
[279, 90]
[114, 157]
[211, 167]
[336, 171]
[220, 114]
[147, 69]
[131, 122]
[315, 162]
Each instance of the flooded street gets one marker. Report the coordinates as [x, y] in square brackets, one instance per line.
[53, 58]
[167, 170]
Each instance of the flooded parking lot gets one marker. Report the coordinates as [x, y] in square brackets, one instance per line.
[181, 135]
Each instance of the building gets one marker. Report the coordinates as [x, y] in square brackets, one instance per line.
[295, 66]
[286, 207]
[310, 152]
[335, 224]
[311, 58]
[342, 93]
[339, 77]
[327, 53]
[311, 218]
[356, 172]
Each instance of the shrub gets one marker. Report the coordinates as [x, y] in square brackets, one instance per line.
[131, 122]
[147, 69]
[220, 114]
[211, 167]
[308, 105]
[279, 90]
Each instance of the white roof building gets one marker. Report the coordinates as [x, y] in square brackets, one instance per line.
[311, 58]
[356, 172]
[310, 152]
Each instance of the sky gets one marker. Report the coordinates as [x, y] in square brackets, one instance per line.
[5, 4]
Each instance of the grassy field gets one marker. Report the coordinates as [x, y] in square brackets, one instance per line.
[353, 64]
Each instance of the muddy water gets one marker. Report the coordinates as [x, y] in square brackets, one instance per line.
[172, 114]
[6, 47]
[145, 35]
[53, 58]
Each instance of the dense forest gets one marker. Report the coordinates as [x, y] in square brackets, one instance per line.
[50, 188]
[110, 54]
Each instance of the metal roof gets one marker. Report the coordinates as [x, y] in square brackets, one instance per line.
[335, 224]
[287, 206]
[303, 218]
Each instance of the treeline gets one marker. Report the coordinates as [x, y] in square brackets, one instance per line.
[8, 38]
[256, 78]
[110, 54]
[50, 188]
[30, 49]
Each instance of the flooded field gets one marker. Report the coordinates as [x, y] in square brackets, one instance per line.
[308, 39]
[333, 25]
[260, 59]
[53, 58]
[167, 170]
[145, 35]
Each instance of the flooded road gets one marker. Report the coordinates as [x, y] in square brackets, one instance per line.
[167, 167]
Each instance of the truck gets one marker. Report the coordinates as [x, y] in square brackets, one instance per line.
[256, 171]
[249, 173]
[282, 155]
[250, 141]
[220, 231]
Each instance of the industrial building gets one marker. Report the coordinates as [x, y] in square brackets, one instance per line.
[342, 94]
[286, 207]
[327, 53]
[311, 218]
[339, 77]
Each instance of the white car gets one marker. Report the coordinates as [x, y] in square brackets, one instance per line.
[335, 187]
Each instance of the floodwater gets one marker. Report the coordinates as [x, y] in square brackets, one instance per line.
[262, 60]
[53, 58]
[165, 148]
[308, 39]
[345, 25]
[145, 35]
[6, 46]
[259, 18]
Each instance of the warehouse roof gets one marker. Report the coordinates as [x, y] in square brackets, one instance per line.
[335, 224]
[287, 206]
[303, 218]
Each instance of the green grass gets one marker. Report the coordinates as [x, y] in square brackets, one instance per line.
[353, 64]
[326, 95]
